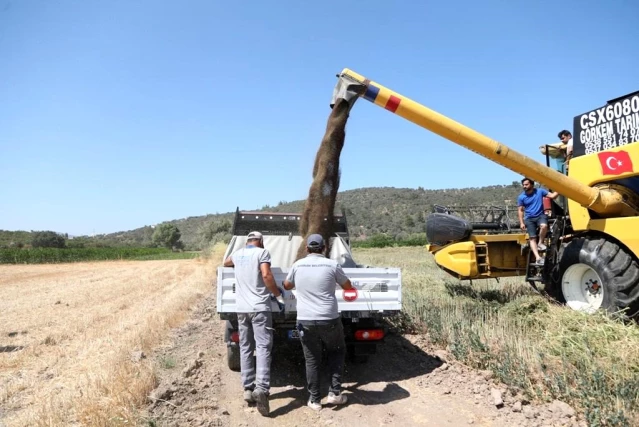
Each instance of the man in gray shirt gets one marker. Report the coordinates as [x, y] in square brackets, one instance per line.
[254, 285]
[315, 277]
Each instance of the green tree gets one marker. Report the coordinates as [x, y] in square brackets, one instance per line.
[215, 231]
[409, 221]
[166, 235]
[48, 239]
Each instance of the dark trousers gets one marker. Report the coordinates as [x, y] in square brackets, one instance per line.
[328, 334]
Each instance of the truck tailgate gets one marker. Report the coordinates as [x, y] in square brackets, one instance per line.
[379, 289]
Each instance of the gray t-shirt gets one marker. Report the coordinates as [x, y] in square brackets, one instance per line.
[316, 277]
[251, 294]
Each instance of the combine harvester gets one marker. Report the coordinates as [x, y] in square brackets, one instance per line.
[593, 240]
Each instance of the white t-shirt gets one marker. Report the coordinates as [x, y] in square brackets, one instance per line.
[251, 293]
[316, 277]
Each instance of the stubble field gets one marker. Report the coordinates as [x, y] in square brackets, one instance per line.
[76, 339]
[73, 336]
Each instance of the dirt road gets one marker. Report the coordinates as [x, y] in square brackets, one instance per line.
[404, 384]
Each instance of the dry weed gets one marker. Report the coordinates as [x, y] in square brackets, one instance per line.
[546, 350]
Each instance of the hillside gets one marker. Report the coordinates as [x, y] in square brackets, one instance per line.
[399, 212]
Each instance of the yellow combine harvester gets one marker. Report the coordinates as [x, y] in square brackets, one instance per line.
[593, 240]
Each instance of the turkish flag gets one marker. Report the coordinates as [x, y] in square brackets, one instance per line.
[615, 163]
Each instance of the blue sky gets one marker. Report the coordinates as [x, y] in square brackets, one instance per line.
[124, 113]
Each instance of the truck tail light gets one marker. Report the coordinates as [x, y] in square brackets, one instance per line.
[369, 334]
[235, 336]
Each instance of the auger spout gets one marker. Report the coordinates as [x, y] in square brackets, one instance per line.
[606, 201]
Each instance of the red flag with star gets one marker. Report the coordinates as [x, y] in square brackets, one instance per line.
[615, 163]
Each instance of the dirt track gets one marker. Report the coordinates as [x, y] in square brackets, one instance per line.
[403, 384]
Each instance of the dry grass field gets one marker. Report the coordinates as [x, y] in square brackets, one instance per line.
[544, 349]
[71, 334]
[71, 337]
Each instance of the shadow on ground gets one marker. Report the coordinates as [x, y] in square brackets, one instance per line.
[499, 296]
[10, 348]
[371, 383]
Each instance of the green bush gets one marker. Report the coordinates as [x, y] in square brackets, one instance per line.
[167, 235]
[384, 240]
[56, 255]
[48, 239]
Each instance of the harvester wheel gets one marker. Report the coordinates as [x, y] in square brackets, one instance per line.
[594, 273]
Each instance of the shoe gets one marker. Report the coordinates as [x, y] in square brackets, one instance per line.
[314, 406]
[541, 247]
[540, 261]
[336, 399]
[248, 395]
[261, 399]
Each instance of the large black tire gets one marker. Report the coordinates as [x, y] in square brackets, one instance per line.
[616, 268]
[233, 357]
[232, 348]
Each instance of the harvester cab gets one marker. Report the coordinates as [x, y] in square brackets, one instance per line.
[592, 248]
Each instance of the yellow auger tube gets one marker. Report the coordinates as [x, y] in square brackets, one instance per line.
[604, 203]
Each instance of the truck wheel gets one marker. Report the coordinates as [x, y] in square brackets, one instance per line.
[594, 273]
[233, 357]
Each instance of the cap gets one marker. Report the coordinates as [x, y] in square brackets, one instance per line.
[254, 235]
[315, 241]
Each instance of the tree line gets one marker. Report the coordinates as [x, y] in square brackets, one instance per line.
[378, 216]
[166, 236]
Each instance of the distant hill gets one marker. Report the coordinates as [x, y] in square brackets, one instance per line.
[398, 212]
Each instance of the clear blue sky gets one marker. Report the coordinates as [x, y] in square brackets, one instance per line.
[124, 113]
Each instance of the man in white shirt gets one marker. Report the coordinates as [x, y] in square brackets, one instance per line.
[316, 277]
[255, 285]
[566, 138]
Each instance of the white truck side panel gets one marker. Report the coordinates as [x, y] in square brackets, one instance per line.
[378, 290]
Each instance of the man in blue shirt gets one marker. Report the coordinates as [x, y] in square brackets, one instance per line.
[531, 215]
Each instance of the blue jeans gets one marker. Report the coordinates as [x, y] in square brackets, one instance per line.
[533, 223]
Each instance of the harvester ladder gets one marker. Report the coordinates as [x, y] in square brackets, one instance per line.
[481, 252]
[534, 271]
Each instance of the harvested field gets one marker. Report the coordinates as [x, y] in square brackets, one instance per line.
[74, 336]
[139, 343]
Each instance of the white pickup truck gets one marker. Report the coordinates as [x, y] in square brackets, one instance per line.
[377, 293]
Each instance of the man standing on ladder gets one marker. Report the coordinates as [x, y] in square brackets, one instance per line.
[531, 215]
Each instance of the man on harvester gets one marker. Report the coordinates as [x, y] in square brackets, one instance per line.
[531, 215]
